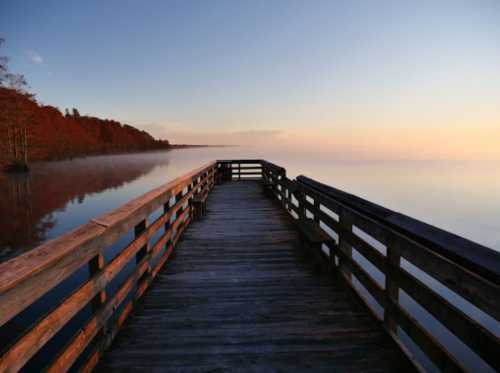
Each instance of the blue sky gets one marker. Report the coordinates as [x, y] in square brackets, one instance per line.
[298, 71]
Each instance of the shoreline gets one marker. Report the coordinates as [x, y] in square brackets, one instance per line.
[7, 168]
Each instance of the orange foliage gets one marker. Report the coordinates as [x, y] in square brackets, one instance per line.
[52, 135]
[29, 203]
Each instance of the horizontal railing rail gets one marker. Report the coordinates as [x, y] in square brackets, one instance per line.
[387, 257]
[27, 278]
[471, 255]
[240, 169]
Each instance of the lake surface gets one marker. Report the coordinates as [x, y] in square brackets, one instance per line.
[56, 197]
[462, 197]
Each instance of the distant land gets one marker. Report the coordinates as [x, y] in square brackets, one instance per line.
[39, 132]
[31, 131]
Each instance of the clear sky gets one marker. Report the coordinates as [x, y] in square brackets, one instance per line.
[366, 79]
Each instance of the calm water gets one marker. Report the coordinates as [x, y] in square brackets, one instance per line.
[462, 197]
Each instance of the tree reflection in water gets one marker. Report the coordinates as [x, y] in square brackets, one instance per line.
[28, 201]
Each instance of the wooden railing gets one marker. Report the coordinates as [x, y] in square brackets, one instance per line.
[239, 169]
[385, 257]
[398, 265]
[27, 278]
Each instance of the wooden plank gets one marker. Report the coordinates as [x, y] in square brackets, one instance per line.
[242, 161]
[258, 168]
[237, 294]
[247, 173]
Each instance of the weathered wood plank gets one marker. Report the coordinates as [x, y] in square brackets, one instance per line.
[238, 285]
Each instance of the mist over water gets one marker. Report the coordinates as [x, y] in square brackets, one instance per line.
[56, 197]
[460, 196]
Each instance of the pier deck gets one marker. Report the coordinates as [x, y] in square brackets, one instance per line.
[239, 294]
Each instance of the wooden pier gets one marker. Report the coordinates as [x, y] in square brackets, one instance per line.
[238, 295]
[273, 275]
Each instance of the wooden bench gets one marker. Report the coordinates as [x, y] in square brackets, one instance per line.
[199, 204]
[313, 238]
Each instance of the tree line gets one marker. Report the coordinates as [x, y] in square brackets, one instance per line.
[30, 131]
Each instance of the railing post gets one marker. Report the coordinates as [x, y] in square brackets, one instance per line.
[316, 209]
[228, 172]
[138, 230]
[391, 287]
[344, 246]
[190, 188]
[217, 173]
[301, 198]
[166, 207]
[280, 188]
[96, 265]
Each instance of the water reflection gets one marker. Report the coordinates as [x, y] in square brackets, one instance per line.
[30, 203]
[462, 197]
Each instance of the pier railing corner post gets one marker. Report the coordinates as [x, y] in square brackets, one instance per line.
[346, 222]
[393, 262]
[138, 230]
[301, 199]
[96, 265]
[166, 226]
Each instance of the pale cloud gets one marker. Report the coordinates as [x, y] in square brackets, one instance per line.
[179, 133]
[257, 133]
[35, 57]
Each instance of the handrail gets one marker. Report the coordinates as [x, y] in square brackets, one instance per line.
[469, 254]
[25, 279]
[405, 251]
[239, 169]
[388, 240]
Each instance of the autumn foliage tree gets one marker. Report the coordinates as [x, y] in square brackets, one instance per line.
[16, 106]
[31, 131]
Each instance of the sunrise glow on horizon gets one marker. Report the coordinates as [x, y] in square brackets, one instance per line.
[361, 79]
